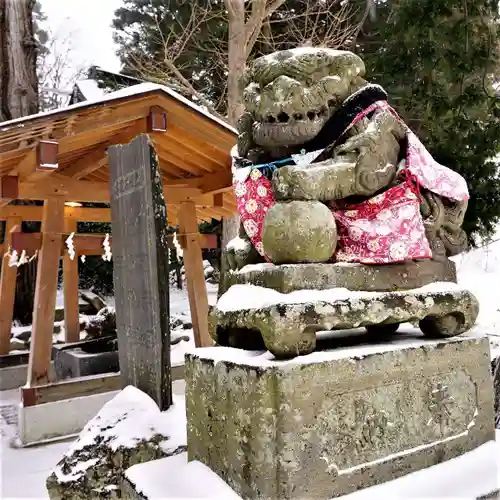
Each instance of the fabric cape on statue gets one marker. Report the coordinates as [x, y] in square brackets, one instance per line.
[386, 228]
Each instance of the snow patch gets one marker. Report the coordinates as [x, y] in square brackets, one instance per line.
[174, 477]
[470, 476]
[131, 417]
[237, 243]
[90, 89]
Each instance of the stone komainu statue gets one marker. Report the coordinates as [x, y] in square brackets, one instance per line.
[335, 191]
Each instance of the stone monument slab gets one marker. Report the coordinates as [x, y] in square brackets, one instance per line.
[333, 422]
[140, 269]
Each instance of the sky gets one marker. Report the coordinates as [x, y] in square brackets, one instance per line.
[89, 24]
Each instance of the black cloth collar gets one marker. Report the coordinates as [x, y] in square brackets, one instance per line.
[334, 128]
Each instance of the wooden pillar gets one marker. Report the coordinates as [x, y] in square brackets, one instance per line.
[46, 292]
[7, 288]
[70, 283]
[193, 266]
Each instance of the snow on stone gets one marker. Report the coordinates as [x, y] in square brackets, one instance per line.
[406, 338]
[176, 478]
[131, 417]
[237, 243]
[257, 297]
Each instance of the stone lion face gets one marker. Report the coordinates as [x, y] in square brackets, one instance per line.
[290, 95]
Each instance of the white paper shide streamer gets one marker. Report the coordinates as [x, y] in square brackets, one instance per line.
[23, 259]
[70, 246]
[13, 259]
[304, 159]
[178, 247]
[107, 249]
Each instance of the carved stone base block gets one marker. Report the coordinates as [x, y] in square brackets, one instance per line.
[287, 323]
[287, 278]
[333, 422]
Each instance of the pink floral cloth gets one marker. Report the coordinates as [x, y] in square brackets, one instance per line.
[254, 197]
[385, 229]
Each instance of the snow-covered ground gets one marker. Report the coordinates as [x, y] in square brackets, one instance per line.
[479, 271]
[23, 471]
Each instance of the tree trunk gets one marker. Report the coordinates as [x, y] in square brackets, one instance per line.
[19, 97]
[18, 79]
[236, 58]
[236, 67]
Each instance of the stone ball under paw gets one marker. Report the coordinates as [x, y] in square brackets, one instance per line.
[299, 231]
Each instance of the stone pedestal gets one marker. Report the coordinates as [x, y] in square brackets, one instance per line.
[72, 363]
[333, 422]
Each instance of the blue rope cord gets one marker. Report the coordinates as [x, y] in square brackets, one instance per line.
[267, 169]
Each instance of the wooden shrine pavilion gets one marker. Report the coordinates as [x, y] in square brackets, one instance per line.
[60, 158]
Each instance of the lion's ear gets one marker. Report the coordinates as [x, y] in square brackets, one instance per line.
[357, 83]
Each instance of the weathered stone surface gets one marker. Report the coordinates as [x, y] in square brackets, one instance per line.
[495, 366]
[283, 110]
[334, 422]
[287, 278]
[288, 322]
[324, 181]
[299, 231]
[140, 268]
[129, 429]
[69, 363]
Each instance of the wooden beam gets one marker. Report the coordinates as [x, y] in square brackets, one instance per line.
[79, 214]
[57, 185]
[79, 387]
[26, 166]
[9, 188]
[220, 181]
[193, 264]
[78, 190]
[181, 160]
[90, 244]
[92, 161]
[83, 214]
[87, 164]
[70, 285]
[45, 292]
[10, 360]
[7, 289]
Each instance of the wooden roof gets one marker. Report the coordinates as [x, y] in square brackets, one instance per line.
[194, 151]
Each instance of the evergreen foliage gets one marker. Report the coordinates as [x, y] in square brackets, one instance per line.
[437, 59]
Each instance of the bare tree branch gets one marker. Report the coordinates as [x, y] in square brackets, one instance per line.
[330, 24]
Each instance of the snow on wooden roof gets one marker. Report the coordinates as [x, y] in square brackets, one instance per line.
[64, 151]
